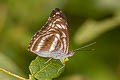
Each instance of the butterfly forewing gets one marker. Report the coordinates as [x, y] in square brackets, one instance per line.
[53, 37]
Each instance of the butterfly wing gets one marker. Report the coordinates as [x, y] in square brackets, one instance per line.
[53, 39]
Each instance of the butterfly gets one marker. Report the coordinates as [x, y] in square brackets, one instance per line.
[52, 40]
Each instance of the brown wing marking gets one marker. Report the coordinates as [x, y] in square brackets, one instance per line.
[45, 37]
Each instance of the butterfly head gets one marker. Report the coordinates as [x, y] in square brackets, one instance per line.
[70, 53]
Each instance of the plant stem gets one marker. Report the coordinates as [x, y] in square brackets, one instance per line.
[12, 74]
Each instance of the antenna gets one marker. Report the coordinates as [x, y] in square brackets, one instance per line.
[85, 46]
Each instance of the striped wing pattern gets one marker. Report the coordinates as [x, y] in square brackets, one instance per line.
[53, 38]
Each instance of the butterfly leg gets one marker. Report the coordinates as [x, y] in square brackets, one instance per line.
[48, 60]
[62, 66]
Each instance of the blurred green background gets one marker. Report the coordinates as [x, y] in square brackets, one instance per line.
[89, 21]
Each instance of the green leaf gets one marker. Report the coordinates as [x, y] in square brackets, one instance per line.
[42, 71]
[92, 26]
[31, 77]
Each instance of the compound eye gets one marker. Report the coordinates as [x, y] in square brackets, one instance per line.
[70, 53]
